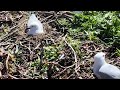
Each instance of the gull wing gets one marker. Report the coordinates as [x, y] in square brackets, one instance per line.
[108, 71]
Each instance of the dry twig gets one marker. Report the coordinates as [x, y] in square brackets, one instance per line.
[75, 56]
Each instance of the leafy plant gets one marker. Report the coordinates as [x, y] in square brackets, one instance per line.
[50, 53]
[90, 25]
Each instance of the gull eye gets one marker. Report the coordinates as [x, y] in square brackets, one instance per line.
[32, 26]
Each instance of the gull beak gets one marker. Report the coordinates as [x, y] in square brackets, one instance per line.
[27, 29]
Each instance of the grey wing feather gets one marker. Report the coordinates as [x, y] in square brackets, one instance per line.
[109, 71]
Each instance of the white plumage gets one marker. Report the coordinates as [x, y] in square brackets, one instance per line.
[34, 25]
[103, 70]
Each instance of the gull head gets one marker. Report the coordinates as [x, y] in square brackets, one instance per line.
[34, 26]
[99, 61]
[99, 57]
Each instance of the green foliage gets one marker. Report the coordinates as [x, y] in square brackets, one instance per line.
[117, 52]
[50, 53]
[35, 63]
[90, 25]
[63, 21]
[75, 44]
